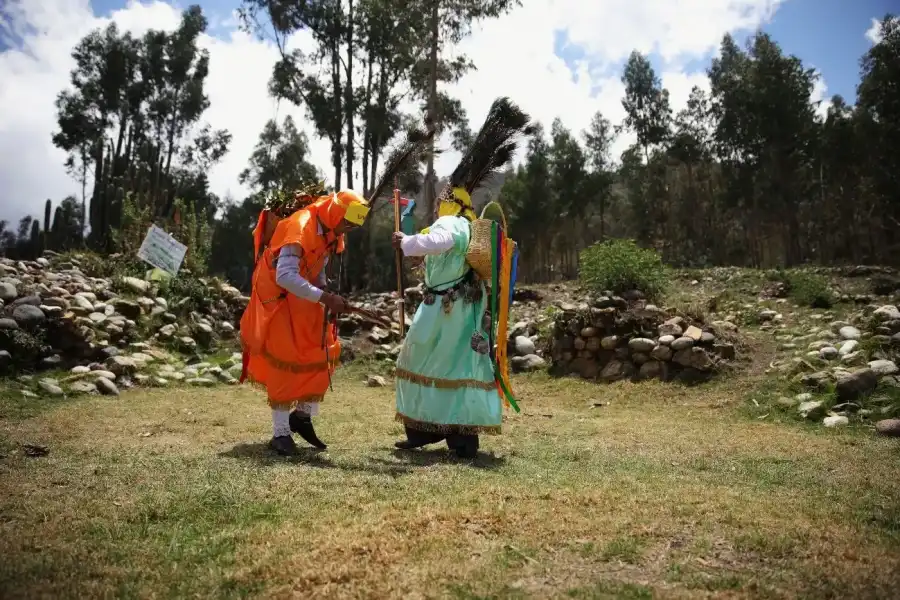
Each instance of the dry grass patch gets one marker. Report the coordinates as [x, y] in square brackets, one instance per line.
[625, 491]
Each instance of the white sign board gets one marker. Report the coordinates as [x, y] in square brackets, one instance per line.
[162, 250]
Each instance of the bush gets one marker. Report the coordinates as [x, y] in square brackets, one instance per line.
[808, 289]
[620, 266]
[198, 294]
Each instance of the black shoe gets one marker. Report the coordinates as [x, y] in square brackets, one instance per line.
[302, 425]
[417, 439]
[465, 446]
[283, 445]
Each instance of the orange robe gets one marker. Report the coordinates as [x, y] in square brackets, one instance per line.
[282, 334]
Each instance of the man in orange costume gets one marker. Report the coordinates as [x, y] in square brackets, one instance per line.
[289, 345]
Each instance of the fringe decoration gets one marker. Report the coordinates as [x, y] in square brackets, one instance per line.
[442, 384]
[292, 404]
[448, 429]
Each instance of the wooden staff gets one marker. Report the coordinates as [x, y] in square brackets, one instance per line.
[399, 259]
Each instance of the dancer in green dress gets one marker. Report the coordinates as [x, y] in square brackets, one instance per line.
[446, 380]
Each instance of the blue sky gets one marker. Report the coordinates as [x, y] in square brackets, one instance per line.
[827, 34]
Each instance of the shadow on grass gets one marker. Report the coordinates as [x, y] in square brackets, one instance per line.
[409, 461]
[437, 456]
[260, 453]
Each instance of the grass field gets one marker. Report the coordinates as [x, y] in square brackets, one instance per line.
[626, 491]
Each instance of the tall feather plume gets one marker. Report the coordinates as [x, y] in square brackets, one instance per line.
[409, 150]
[494, 146]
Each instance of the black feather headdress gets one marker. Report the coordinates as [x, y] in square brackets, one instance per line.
[410, 150]
[493, 148]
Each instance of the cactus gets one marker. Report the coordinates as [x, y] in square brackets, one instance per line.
[35, 237]
[56, 235]
[45, 242]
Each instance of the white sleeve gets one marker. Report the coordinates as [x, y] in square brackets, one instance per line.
[288, 276]
[424, 244]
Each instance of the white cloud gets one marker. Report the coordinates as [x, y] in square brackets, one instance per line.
[873, 33]
[514, 55]
[819, 94]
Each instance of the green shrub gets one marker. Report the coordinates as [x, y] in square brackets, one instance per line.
[621, 265]
[195, 292]
[809, 289]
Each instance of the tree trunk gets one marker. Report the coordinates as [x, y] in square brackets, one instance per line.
[367, 135]
[336, 135]
[430, 179]
[348, 100]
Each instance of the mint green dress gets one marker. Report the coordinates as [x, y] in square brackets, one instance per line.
[444, 384]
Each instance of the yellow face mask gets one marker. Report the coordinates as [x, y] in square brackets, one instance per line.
[356, 213]
[461, 204]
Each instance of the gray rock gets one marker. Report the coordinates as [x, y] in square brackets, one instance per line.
[848, 347]
[8, 324]
[828, 353]
[615, 370]
[528, 364]
[375, 381]
[682, 343]
[641, 345]
[127, 308]
[695, 358]
[672, 327]
[524, 346]
[654, 369]
[51, 388]
[83, 387]
[200, 382]
[888, 427]
[812, 410]
[883, 367]
[695, 333]
[8, 292]
[849, 333]
[203, 333]
[665, 340]
[609, 342]
[82, 302]
[138, 286]
[766, 315]
[835, 421]
[106, 386]
[28, 316]
[121, 365]
[855, 385]
[661, 353]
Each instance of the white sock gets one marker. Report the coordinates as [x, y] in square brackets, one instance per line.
[308, 408]
[280, 424]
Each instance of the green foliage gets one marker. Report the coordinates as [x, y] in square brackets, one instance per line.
[25, 347]
[621, 265]
[808, 289]
[189, 292]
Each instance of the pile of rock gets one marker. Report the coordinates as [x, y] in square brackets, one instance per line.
[359, 336]
[858, 359]
[55, 317]
[609, 339]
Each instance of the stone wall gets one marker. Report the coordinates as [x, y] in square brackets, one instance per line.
[53, 316]
[610, 339]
